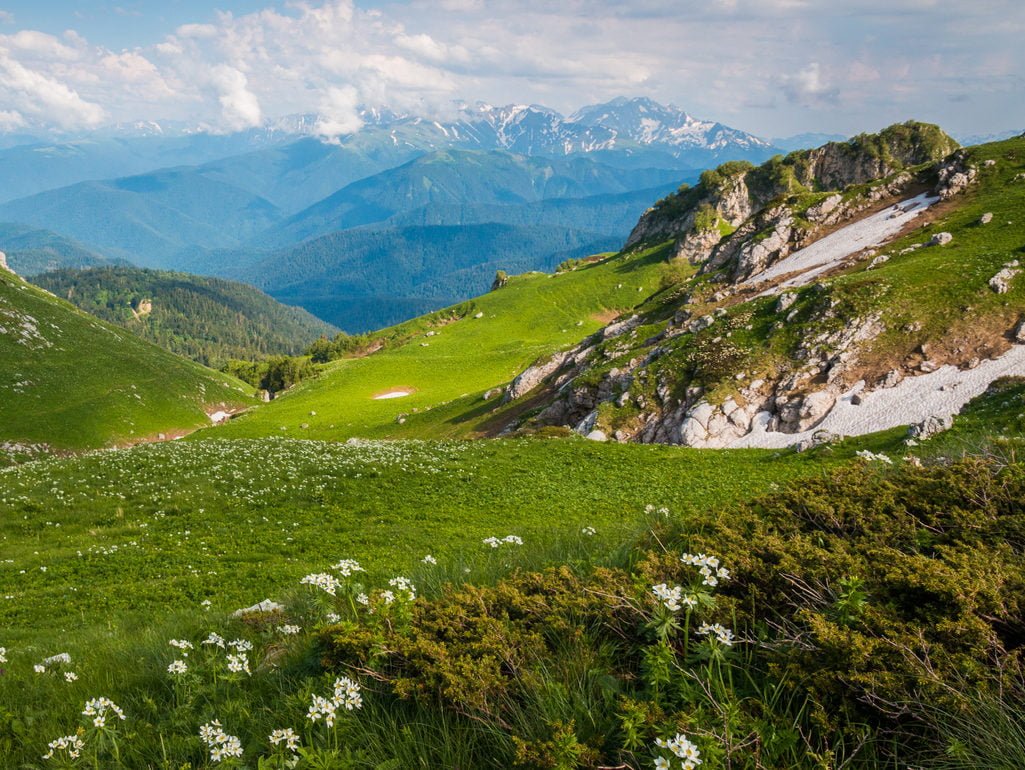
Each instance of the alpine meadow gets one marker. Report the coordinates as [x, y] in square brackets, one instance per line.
[367, 403]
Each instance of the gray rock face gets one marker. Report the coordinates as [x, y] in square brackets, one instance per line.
[930, 427]
[532, 376]
[1019, 332]
[597, 435]
[820, 211]
[955, 175]
[941, 239]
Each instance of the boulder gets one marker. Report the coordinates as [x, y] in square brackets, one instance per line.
[1001, 282]
[941, 239]
[930, 426]
[1019, 332]
[986, 218]
[265, 606]
[532, 376]
[786, 299]
[597, 435]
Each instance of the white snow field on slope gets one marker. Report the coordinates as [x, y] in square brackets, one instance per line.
[831, 250]
[941, 393]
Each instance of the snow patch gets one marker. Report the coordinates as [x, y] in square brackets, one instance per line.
[941, 393]
[393, 394]
[828, 252]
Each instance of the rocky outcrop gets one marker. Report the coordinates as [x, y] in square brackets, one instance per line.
[940, 239]
[1001, 282]
[930, 427]
[534, 375]
[955, 175]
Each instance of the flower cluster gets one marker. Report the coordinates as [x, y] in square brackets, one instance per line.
[289, 629]
[97, 708]
[683, 748]
[177, 667]
[72, 744]
[347, 694]
[722, 634]
[286, 736]
[61, 658]
[222, 746]
[403, 585]
[3, 654]
[238, 663]
[673, 599]
[428, 559]
[589, 531]
[347, 567]
[182, 645]
[708, 566]
[324, 581]
[214, 639]
[322, 708]
[495, 542]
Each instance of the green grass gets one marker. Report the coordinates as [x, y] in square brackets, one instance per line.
[531, 317]
[235, 522]
[73, 382]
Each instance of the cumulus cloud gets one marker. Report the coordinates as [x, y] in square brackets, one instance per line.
[240, 107]
[808, 86]
[763, 65]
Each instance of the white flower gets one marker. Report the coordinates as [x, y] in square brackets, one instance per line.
[70, 676]
[347, 566]
[177, 667]
[222, 746]
[3, 654]
[322, 708]
[494, 542]
[39, 668]
[513, 539]
[182, 644]
[589, 531]
[215, 639]
[347, 693]
[323, 581]
[403, 585]
[387, 597]
[238, 663]
[72, 744]
[428, 559]
[669, 597]
[661, 763]
[334, 617]
[363, 599]
[683, 748]
[241, 645]
[289, 630]
[286, 736]
[206, 604]
[98, 707]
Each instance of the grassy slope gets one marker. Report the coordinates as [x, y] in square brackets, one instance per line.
[236, 521]
[531, 317]
[78, 383]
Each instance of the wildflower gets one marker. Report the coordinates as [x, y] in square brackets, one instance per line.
[403, 585]
[70, 676]
[363, 599]
[177, 667]
[669, 597]
[494, 542]
[238, 663]
[723, 635]
[183, 645]
[323, 581]
[241, 645]
[72, 744]
[661, 763]
[347, 693]
[322, 708]
[286, 736]
[98, 708]
[589, 531]
[334, 617]
[3, 654]
[206, 604]
[289, 630]
[428, 559]
[513, 539]
[222, 746]
[215, 639]
[387, 597]
[347, 567]
[39, 668]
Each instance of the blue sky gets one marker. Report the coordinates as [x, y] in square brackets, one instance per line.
[773, 67]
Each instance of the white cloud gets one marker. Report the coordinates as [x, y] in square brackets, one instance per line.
[339, 113]
[11, 119]
[43, 97]
[808, 86]
[240, 107]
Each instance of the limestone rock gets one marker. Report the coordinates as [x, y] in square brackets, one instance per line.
[1019, 332]
[955, 175]
[532, 376]
[941, 239]
[1001, 282]
[930, 427]
[265, 606]
[597, 435]
[986, 218]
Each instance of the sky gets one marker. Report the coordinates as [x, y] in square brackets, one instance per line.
[771, 67]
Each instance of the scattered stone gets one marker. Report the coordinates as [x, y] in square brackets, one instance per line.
[313, 413]
[930, 426]
[597, 435]
[892, 378]
[989, 163]
[786, 300]
[818, 438]
[161, 436]
[265, 606]
[941, 239]
[490, 394]
[927, 367]
[986, 218]
[479, 314]
[1019, 333]
[878, 261]
[856, 399]
[1001, 282]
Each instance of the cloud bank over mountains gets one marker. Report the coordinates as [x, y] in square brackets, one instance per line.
[774, 67]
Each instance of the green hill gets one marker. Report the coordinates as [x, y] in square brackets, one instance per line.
[71, 381]
[452, 355]
[209, 320]
[31, 251]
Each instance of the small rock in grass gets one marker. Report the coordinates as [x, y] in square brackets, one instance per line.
[1019, 333]
[941, 239]
[986, 218]
[597, 435]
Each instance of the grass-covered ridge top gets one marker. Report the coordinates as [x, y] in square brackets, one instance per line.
[72, 382]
